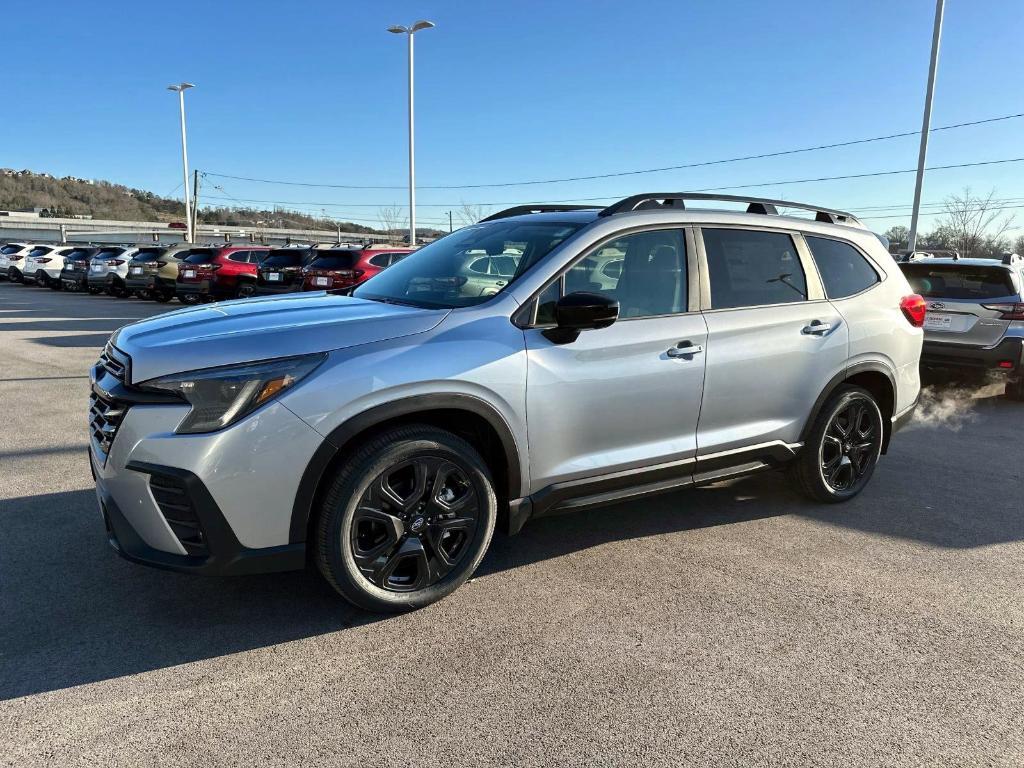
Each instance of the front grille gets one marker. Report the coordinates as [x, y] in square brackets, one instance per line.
[105, 416]
[115, 363]
[172, 498]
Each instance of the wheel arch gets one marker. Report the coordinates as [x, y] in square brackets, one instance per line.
[877, 379]
[465, 415]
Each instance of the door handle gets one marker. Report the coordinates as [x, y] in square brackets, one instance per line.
[816, 328]
[684, 349]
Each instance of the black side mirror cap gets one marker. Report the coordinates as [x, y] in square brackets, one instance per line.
[581, 311]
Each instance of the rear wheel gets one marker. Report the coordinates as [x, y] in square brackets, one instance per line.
[41, 279]
[188, 298]
[56, 285]
[13, 275]
[163, 296]
[245, 290]
[840, 455]
[407, 519]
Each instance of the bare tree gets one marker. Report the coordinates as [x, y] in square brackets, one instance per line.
[469, 213]
[975, 224]
[392, 219]
[1018, 245]
[898, 235]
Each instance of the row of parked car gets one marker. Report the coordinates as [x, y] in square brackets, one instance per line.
[195, 273]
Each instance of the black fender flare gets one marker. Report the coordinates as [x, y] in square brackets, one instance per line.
[842, 377]
[334, 443]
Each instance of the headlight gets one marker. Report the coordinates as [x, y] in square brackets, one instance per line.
[221, 396]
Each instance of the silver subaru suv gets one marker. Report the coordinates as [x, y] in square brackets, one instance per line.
[384, 436]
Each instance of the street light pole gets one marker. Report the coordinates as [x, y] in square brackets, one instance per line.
[410, 33]
[180, 89]
[926, 124]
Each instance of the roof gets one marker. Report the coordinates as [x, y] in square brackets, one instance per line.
[950, 262]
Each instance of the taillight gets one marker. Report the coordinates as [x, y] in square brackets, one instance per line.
[347, 274]
[158, 264]
[1010, 310]
[43, 260]
[914, 308]
[14, 258]
[213, 267]
[115, 262]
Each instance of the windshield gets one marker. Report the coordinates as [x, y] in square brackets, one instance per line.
[200, 256]
[339, 260]
[281, 260]
[959, 282]
[469, 266]
[149, 254]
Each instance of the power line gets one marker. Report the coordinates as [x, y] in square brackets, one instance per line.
[703, 189]
[618, 174]
[940, 213]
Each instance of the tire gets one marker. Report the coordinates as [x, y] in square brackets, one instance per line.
[95, 291]
[13, 275]
[56, 285]
[245, 290]
[188, 298]
[403, 569]
[162, 296]
[41, 279]
[1014, 390]
[835, 465]
[117, 290]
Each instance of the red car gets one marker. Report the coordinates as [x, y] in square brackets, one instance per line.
[335, 269]
[218, 273]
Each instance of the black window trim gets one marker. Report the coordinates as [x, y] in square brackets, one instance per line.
[526, 316]
[879, 273]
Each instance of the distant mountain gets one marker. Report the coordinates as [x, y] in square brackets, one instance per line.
[72, 196]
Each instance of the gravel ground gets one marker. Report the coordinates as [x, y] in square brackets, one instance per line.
[735, 625]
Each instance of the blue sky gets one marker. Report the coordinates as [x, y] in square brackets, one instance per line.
[511, 91]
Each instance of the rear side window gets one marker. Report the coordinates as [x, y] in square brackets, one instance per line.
[951, 281]
[381, 260]
[749, 268]
[843, 270]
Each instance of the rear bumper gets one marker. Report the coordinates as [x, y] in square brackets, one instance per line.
[265, 289]
[99, 281]
[935, 354]
[74, 279]
[198, 288]
[140, 282]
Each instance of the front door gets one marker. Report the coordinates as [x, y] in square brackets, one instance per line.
[627, 396]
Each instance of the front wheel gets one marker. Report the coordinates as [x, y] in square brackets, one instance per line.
[407, 519]
[842, 450]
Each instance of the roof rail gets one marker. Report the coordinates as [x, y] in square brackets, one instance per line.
[519, 210]
[762, 205]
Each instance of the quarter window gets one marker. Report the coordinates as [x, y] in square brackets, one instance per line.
[843, 270]
[750, 268]
[240, 256]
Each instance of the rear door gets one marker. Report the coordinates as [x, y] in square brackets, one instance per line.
[774, 342]
[627, 396]
[957, 295]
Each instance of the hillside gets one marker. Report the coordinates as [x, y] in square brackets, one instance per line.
[71, 196]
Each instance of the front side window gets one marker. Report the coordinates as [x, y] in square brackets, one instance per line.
[644, 271]
[752, 268]
[843, 270]
[469, 266]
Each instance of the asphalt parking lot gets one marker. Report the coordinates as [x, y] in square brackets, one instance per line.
[737, 624]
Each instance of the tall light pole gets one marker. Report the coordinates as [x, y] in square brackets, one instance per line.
[180, 89]
[926, 123]
[409, 32]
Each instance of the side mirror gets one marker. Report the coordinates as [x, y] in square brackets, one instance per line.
[581, 311]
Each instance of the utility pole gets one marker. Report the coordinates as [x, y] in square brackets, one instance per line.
[409, 32]
[926, 123]
[450, 228]
[180, 89]
[195, 204]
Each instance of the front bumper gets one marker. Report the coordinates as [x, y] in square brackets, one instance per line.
[213, 503]
[937, 354]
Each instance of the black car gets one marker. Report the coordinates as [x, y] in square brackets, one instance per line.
[281, 271]
[75, 274]
[152, 271]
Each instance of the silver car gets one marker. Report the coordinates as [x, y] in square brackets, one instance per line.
[108, 270]
[975, 316]
[386, 435]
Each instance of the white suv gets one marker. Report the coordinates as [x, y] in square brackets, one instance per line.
[385, 435]
[43, 264]
[12, 259]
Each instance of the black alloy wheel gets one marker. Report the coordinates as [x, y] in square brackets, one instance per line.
[407, 518]
[414, 524]
[842, 448]
[245, 290]
[850, 445]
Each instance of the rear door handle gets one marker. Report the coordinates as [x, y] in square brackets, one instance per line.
[684, 349]
[816, 328]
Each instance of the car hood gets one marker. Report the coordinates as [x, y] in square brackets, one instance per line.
[262, 328]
